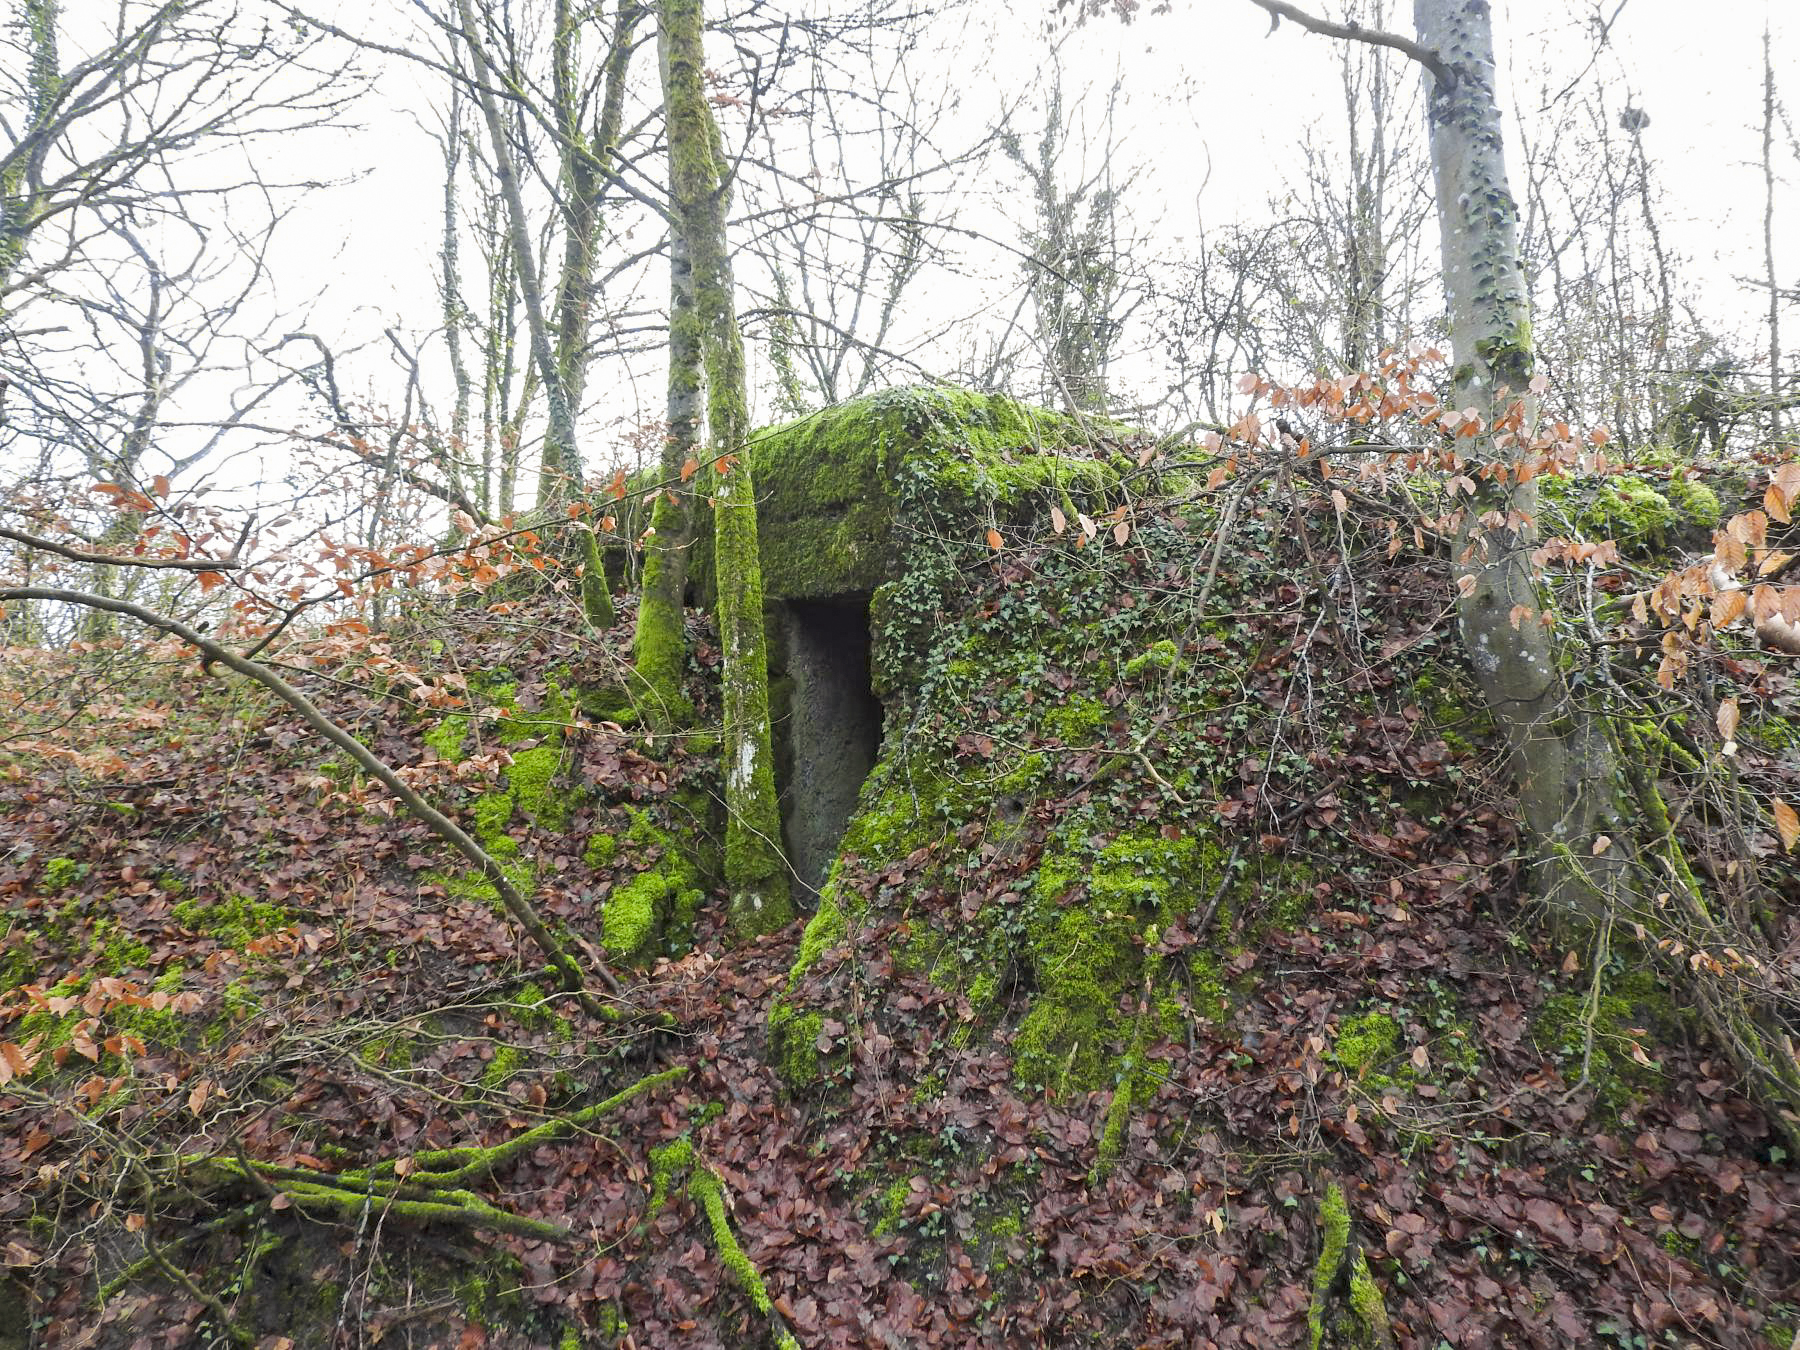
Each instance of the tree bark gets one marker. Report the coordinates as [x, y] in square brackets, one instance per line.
[755, 868]
[1562, 762]
[659, 649]
[1592, 860]
[560, 472]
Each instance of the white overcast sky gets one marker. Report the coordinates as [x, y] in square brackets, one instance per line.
[1214, 99]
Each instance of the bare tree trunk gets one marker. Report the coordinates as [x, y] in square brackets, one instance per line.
[659, 649]
[1562, 761]
[561, 470]
[454, 312]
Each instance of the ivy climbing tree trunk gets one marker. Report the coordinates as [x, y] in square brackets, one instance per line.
[1601, 848]
[755, 869]
[1562, 760]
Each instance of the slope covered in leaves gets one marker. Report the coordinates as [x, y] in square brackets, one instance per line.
[1184, 889]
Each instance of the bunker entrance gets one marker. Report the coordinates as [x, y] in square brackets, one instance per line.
[832, 729]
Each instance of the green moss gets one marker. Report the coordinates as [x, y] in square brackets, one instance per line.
[394, 1050]
[1629, 1007]
[474, 888]
[833, 485]
[493, 1295]
[1159, 656]
[1363, 1042]
[901, 808]
[237, 1003]
[1368, 1310]
[1639, 514]
[1118, 1118]
[825, 930]
[601, 851]
[667, 1163]
[1363, 1324]
[892, 1206]
[1696, 503]
[1509, 357]
[1456, 710]
[1628, 509]
[1778, 734]
[528, 1008]
[611, 1321]
[608, 703]
[1087, 955]
[236, 922]
[1076, 721]
[706, 1187]
[657, 903]
[51, 1029]
[503, 1067]
[163, 1028]
[1334, 1237]
[491, 814]
[793, 1038]
[115, 950]
[532, 776]
[449, 738]
[550, 722]
[659, 646]
[60, 874]
[629, 920]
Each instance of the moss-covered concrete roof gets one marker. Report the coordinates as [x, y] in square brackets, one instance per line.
[831, 486]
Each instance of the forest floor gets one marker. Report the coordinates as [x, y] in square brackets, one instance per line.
[238, 972]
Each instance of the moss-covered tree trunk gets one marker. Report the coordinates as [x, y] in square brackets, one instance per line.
[755, 869]
[22, 176]
[659, 650]
[1596, 854]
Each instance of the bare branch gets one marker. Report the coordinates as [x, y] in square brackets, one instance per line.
[448, 830]
[1352, 31]
[82, 555]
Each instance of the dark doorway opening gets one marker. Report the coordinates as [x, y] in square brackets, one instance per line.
[833, 730]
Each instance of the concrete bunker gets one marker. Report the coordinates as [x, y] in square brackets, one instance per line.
[829, 731]
[839, 497]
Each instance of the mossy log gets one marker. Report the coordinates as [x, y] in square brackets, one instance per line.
[1346, 1302]
[424, 1188]
[706, 1190]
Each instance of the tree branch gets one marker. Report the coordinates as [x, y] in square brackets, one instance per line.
[82, 555]
[1352, 31]
[421, 810]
